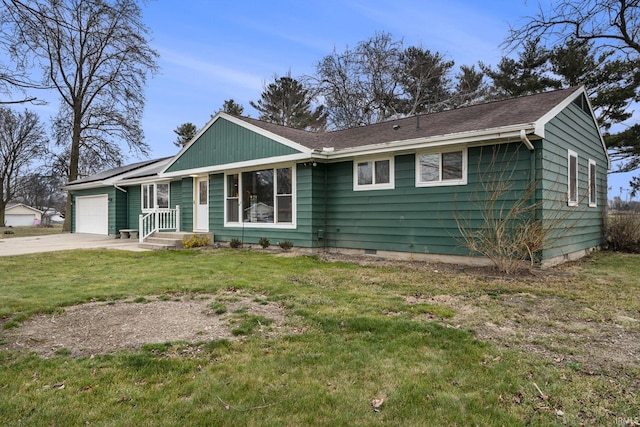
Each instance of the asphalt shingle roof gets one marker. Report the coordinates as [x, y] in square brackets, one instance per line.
[101, 176]
[497, 114]
[514, 111]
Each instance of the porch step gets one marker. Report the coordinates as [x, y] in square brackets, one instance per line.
[168, 240]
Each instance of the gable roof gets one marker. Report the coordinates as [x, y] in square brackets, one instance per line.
[288, 140]
[498, 121]
[513, 112]
[111, 176]
[111, 173]
[8, 208]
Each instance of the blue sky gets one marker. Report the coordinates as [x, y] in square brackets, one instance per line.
[211, 51]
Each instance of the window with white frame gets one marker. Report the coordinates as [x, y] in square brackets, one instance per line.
[374, 174]
[155, 196]
[593, 188]
[572, 178]
[260, 197]
[441, 168]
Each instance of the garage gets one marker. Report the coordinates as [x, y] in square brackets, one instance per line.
[19, 220]
[92, 214]
[21, 215]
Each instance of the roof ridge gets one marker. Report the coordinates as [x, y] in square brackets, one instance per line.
[322, 134]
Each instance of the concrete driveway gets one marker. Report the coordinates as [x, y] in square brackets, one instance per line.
[63, 242]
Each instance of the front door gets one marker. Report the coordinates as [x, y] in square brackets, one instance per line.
[202, 204]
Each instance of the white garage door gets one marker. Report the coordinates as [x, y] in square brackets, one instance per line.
[92, 214]
[19, 220]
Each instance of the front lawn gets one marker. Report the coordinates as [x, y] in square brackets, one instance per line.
[9, 232]
[361, 345]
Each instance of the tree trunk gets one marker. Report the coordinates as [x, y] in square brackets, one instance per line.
[3, 206]
[73, 161]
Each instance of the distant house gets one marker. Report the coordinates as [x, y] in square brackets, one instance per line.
[392, 188]
[20, 215]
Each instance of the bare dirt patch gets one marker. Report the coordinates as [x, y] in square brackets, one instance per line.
[557, 329]
[106, 327]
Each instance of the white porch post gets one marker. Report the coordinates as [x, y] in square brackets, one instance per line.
[178, 218]
[140, 228]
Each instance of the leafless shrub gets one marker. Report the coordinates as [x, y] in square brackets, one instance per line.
[624, 231]
[511, 230]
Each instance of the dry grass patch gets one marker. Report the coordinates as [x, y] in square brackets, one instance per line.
[108, 327]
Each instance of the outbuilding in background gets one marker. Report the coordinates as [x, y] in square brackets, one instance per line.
[21, 215]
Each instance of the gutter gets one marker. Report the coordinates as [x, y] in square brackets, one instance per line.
[525, 140]
[119, 188]
[487, 136]
[84, 186]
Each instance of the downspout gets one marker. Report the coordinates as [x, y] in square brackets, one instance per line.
[127, 217]
[532, 164]
[525, 140]
[326, 207]
[534, 181]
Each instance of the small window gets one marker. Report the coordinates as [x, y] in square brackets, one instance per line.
[373, 174]
[155, 196]
[232, 198]
[162, 196]
[284, 195]
[593, 188]
[441, 168]
[572, 179]
[147, 196]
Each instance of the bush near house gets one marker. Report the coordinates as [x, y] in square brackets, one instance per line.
[195, 241]
[624, 231]
[286, 245]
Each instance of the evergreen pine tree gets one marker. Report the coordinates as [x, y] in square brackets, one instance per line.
[287, 102]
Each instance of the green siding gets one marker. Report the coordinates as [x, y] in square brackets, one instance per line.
[121, 211]
[186, 207]
[417, 219]
[134, 194]
[216, 205]
[574, 228]
[406, 218]
[225, 142]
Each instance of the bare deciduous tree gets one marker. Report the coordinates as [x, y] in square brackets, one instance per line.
[15, 80]
[96, 54]
[612, 23]
[612, 28]
[360, 86]
[41, 190]
[22, 140]
[379, 79]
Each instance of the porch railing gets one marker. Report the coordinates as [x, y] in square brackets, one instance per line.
[158, 220]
